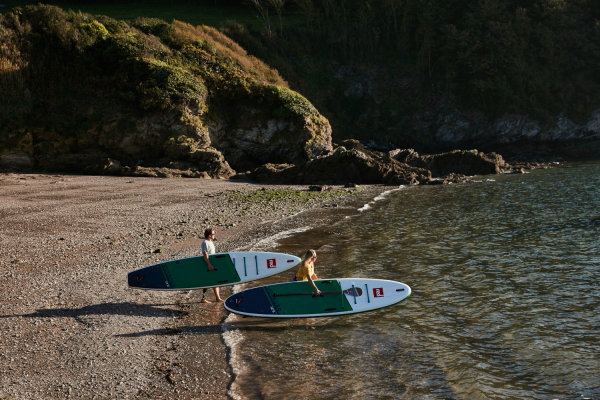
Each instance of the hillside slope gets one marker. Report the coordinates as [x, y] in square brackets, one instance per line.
[90, 93]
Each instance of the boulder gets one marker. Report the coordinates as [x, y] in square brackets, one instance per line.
[253, 137]
[17, 160]
[16, 151]
[462, 162]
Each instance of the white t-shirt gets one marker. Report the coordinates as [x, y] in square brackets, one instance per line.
[208, 246]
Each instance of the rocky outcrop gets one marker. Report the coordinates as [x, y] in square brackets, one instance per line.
[253, 138]
[188, 143]
[461, 162]
[343, 166]
[397, 167]
[148, 96]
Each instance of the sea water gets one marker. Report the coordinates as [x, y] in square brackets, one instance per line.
[505, 273]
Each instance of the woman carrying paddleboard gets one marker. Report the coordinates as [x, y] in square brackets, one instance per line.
[307, 270]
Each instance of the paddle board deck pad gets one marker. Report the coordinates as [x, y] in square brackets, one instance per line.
[192, 273]
[297, 300]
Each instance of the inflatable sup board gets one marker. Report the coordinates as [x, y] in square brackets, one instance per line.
[192, 272]
[297, 300]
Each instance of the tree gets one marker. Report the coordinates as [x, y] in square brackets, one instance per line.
[278, 6]
[263, 9]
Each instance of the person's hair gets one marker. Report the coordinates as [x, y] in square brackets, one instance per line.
[207, 232]
[309, 254]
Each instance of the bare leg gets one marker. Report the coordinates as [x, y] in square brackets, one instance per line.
[217, 297]
[203, 299]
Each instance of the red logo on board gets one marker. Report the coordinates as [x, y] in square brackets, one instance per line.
[271, 263]
[378, 292]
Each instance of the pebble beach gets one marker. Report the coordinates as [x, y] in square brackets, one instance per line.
[70, 328]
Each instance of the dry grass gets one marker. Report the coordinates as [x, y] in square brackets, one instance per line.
[225, 49]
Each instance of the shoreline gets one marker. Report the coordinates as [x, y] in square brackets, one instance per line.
[69, 326]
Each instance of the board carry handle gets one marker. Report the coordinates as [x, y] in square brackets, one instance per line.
[367, 290]
[245, 273]
[354, 292]
[304, 293]
[256, 260]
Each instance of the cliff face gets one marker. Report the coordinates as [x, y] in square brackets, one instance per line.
[86, 93]
[186, 141]
[432, 124]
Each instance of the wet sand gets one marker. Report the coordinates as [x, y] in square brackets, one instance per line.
[70, 328]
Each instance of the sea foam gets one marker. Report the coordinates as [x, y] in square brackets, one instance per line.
[380, 197]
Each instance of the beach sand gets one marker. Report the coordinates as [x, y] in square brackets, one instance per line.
[70, 328]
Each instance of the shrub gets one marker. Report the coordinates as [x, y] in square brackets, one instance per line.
[287, 103]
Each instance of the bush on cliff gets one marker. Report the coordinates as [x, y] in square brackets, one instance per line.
[55, 63]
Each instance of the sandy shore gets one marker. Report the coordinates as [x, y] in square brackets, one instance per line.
[70, 328]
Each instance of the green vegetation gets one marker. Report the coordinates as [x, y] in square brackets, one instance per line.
[532, 57]
[288, 102]
[65, 70]
[276, 196]
[539, 58]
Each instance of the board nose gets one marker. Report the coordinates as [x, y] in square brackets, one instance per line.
[133, 279]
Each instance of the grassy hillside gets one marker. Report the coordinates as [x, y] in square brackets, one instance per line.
[54, 64]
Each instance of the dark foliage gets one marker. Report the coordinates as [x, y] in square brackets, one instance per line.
[535, 57]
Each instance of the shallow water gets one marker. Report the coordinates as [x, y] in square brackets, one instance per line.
[505, 299]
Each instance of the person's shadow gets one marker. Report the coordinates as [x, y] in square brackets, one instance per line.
[124, 308]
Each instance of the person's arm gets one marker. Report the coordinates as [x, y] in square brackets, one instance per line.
[317, 291]
[205, 255]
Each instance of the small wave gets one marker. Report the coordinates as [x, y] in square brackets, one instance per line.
[365, 207]
[381, 196]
